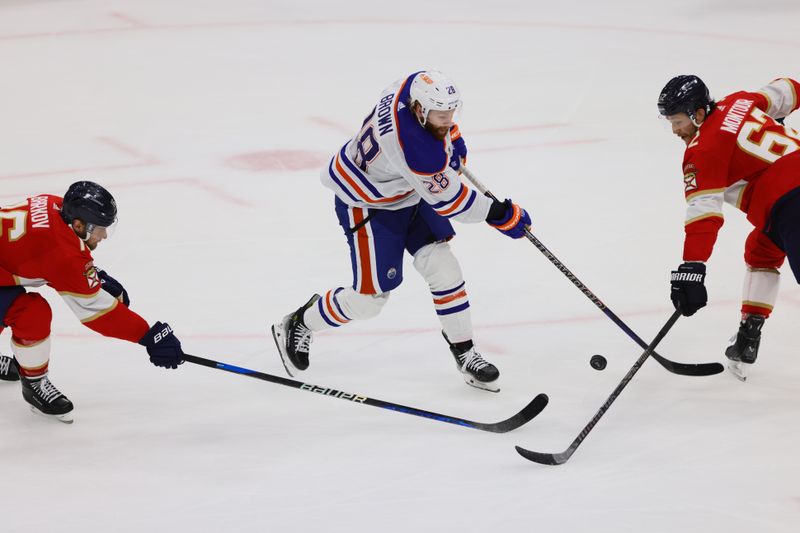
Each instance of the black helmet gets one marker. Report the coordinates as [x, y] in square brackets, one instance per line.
[684, 94]
[89, 202]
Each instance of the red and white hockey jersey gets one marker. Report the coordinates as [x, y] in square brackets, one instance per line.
[393, 161]
[728, 160]
[37, 247]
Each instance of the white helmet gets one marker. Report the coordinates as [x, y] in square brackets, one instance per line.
[434, 91]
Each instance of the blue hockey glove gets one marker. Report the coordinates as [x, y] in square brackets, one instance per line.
[512, 222]
[163, 346]
[459, 156]
[688, 290]
[113, 287]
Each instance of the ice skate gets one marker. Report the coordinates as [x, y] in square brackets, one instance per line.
[293, 339]
[743, 350]
[8, 370]
[476, 371]
[44, 398]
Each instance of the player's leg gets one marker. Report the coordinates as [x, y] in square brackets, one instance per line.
[29, 318]
[375, 239]
[8, 369]
[759, 293]
[435, 261]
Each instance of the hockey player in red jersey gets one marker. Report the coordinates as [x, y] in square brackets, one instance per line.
[737, 151]
[47, 240]
[397, 185]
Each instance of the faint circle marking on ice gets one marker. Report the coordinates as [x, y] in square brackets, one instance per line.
[266, 160]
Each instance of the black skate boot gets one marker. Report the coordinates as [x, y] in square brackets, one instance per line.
[8, 369]
[46, 399]
[293, 339]
[476, 371]
[744, 349]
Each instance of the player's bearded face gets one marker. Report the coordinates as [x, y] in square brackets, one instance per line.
[90, 234]
[683, 127]
[97, 234]
[439, 123]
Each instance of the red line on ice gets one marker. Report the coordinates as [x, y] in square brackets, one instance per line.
[390, 22]
[128, 19]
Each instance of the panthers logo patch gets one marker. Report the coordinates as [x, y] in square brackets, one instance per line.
[91, 275]
[690, 182]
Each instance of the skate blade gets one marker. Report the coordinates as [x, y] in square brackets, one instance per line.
[66, 418]
[737, 368]
[280, 343]
[493, 386]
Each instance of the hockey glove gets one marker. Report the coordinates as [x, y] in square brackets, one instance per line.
[113, 287]
[163, 346]
[688, 288]
[509, 219]
[459, 156]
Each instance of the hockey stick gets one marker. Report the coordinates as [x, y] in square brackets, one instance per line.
[527, 413]
[685, 369]
[561, 458]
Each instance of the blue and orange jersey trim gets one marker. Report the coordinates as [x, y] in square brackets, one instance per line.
[359, 189]
[459, 203]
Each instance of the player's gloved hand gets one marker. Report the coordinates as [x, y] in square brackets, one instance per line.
[509, 219]
[163, 346]
[113, 287]
[459, 156]
[688, 288]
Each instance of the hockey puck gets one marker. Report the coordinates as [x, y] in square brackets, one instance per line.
[598, 362]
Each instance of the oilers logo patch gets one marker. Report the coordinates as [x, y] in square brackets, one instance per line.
[391, 273]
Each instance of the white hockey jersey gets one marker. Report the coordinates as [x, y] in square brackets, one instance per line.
[394, 161]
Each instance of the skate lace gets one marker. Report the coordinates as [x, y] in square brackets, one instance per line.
[47, 390]
[5, 364]
[302, 339]
[474, 361]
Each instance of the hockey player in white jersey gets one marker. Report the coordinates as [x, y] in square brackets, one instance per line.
[396, 186]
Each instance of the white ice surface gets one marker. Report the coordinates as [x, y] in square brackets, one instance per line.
[209, 121]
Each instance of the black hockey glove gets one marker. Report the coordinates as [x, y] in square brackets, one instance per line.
[688, 288]
[113, 287]
[163, 346]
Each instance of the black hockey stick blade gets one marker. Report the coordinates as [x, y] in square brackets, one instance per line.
[689, 369]
[524, 416]
[543, 458]
[528, 413]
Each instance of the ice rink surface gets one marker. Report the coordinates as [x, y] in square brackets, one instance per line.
[209, 122]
